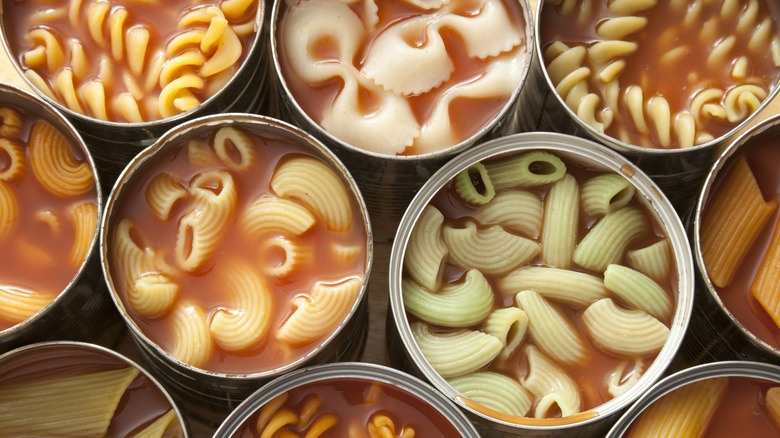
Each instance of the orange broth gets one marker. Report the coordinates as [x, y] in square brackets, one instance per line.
[205, 287]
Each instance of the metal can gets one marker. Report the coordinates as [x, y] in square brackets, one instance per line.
[679, 172]
[728, 323]
[143, 400]
[390, 180]
[761, 373]
[114, 143]
[402, 336]
[81, 310]
[409, 396]
[227, 374]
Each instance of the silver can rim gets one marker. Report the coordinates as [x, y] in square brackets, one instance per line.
[749, 369]
[259, 123]
[720, 163]
[585, 151]
[628, 147]
[53, 345]
[450, 151]
[349, 370]
[37, 107]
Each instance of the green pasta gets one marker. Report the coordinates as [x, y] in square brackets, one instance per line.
[550, 329]
[638, 290]
[531, 169]
[165, 426]
[559, 232]
[456, 353]
[574, 288]
[492, 249]
[460, 304]
[654, 260]
[426, 250]
[473, 185]
[518, 211]
[495, 391]
[605, 193]
[510, 325]
[607, 241]
[624, 331]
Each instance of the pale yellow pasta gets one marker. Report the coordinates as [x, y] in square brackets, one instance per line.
[78, 405]
[553, 388]
[193, 344]
[490, 249]
[16, 304]
[620, 380]
[624, 331]
[530, 169]
[707, 103]
[200, 154]
[743, 100]
[177, 96]
[50, 219]
[660, 117]
[318, 187]
[201, 227]
[291, 254]
[518, 211]
[457, 352]
[235, 9]
[16, 166]
[93, 93]
[270, 214]
[180, 64]
[84, 218]
[460, 304]
[46, 50]
[315, 315]
[638, 290]
[54, 164]
[33, 254]
[245, 320]
[153, 293]
[617, 28]
[654, 260]
[509, 325]
[630, 7]
[11, 122]
[607, 241]
[9, 213]
[228, 48]
[125, 105]
[561, 222]
[573, 288]
[550, 329]
[235, 148]
[165, 426]
[721, 52]
[346, 253]
[162, 193]
[426, 250]
[495, 391]
[604, 193]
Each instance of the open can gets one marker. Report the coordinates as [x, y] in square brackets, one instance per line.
[388, 108]
[733, 317]
[623, 86]
[362, 396]
[281, 281]
[51, 207]
[450, 251]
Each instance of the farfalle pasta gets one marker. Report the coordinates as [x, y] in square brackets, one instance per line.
[355, 72]
[130, 62]
[564, 317]
[223, 250]
[48, 213]
[662, 74]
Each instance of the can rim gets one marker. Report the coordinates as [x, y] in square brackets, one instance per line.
[585, 151]
[315, 127]
[628, 147]
[260, 123]
[351, 370]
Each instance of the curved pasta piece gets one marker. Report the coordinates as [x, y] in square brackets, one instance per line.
[607, 241]
[660, 117]
[286, 256]
[200, 154]
[9, 211]
[84, 217]
[550, 329]
[316, 186]
[510, 325]
[485, 34]
[321, 312]
[604, 193]
[235, 9]
[562, 60]
[619, 381]
[630, 7]
[743, 100]
[461, 304]
[246, 320]
[604, 51]
[170, 101]
[551, 386]
[93, 93]
[573, 288]
[530, 169]
[473, 185]
[16, 305]
[617, 28]
[624, 331]
[516, 210]
[11, 122]
[561, 223]
[54, 164]
[272, 214]
[492, 249]
[154, 293]
[165, 425]
[228, 50]
[201, 227]
[235, 148]
[162, 193]
[654, 260]
[458, 352]
[180, 64]
[426, 250]
[495, 391]
[638, 290]
[51, 50]
[192, 340]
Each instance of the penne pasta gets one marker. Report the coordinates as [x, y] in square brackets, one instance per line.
[765, 287]
[473, 185]
[605, 193]
[510, 325]
[531, 169]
